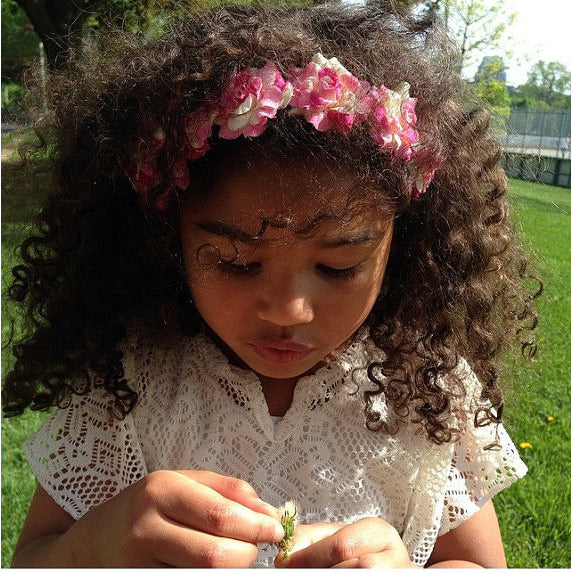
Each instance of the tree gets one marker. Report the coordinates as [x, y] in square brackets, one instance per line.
[491, 69]
[19, 43]
[489, 86]
[494, 95]
[59, 24]
[549, 82]
[476, 25]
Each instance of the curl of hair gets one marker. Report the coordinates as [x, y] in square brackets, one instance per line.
[102, 259]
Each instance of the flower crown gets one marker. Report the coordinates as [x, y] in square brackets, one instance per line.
[324, 93]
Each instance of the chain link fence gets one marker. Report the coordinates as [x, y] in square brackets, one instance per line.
[537, 146]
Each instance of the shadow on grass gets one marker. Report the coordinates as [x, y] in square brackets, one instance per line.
[541, 205]
[24, 188]
[25, 183]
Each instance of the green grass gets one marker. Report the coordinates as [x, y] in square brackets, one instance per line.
[535, 512]
[18, 483]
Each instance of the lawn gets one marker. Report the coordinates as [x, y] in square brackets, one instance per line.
[535, 512]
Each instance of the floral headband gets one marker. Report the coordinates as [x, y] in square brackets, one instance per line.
[324, 93]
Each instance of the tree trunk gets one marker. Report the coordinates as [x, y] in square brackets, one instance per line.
[58, 24]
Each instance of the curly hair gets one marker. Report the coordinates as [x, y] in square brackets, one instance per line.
[102, 258]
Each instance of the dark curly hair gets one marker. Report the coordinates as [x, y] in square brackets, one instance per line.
[103, 258]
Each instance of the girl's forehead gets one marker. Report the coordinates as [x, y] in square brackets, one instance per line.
[297, 195]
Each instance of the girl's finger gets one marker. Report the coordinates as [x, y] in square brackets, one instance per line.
[366, 536]
[307, 535]
[182, 547]
[369, 561]
[198, 506]
[232, 488]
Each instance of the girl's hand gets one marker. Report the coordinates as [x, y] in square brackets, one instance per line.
[367, 543]
[178, 519]
[186, 519]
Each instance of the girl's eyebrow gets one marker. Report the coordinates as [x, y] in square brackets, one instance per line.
[349, 240]
[230, 232]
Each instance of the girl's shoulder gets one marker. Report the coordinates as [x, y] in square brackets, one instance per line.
[461, 374]
[461, 386]
[168, 365]
[148, 352]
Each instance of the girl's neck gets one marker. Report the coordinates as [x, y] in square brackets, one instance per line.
[278, 394]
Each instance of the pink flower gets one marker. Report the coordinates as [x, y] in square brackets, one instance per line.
[157, 141]
[394, 117]
[329, 96]
[163, 200]
[143, 172]
[409, 110]
[254, 97]
[324, 92]
[180, 174]
[198, 127]
[424, 164]
[143, 176]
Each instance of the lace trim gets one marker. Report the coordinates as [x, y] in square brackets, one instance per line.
[198, 411]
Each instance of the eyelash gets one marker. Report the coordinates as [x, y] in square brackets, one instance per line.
[246, 269]
[348, 273]
[240, 269]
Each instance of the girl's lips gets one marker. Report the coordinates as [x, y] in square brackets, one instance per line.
[281, 351]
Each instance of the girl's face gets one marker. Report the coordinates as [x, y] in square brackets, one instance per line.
[285, 302]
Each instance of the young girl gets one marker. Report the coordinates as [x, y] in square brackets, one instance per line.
[277, 266]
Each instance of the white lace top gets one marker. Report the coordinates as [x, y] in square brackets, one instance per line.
[196, 411]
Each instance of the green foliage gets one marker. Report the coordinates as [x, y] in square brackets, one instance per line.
[19, 43]
[147, 17]
[494, 95]
[519, 99]
[489, 87]
[550, 78]
[476, 25]
[548, 86]
[287, 514]
[18, 483]
[12, 95]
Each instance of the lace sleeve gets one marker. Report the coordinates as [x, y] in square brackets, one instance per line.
[478, 471]
[82, 456]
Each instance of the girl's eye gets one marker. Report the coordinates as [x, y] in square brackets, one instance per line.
[240, 269]
[331, 272]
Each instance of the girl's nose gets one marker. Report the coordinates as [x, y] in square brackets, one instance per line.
[286, 304]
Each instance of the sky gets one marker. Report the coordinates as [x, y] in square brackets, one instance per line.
[542, 31]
